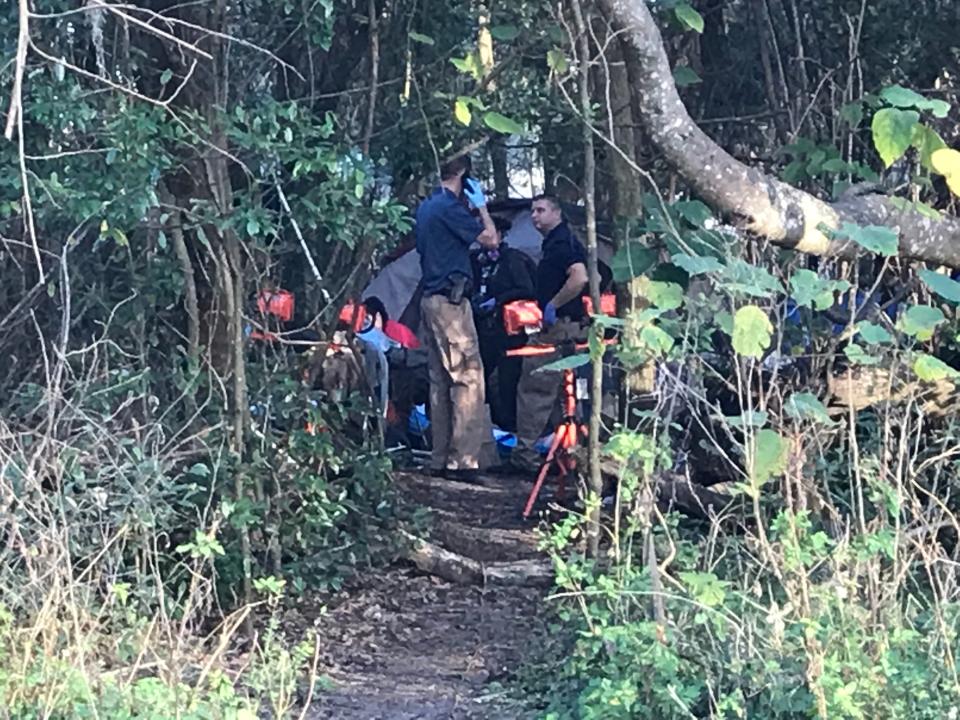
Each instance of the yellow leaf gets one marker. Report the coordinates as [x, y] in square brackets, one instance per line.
[946, 161]
[104, 227]
[462, 112]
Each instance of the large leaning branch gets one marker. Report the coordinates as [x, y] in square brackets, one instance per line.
[763, 205]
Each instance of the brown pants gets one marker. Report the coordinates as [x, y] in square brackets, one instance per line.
[457, 412]
[538, 393]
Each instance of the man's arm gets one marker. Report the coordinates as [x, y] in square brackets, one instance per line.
[489, 229]
[576, 281]
[477, 198]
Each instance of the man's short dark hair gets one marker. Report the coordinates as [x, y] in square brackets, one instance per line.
[552, 199]
[452, 168]
[502, 225]
[375, 306]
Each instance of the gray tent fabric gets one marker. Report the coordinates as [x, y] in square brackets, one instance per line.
[396, 284]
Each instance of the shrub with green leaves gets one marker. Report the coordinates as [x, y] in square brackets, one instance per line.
[827, 586]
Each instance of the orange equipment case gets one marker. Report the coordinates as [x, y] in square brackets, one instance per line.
[351, 313]
[608, 304]
[522, 316]
[278, 303]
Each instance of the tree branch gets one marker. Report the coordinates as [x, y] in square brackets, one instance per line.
[762, 204]
[16, 94]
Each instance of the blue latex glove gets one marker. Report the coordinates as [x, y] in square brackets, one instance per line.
[474, 193]
[549, 315]
[488, 305]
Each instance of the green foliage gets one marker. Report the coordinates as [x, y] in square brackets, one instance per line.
[56, 684]
[810, 290]
[752, 331]
[807, 406]
[933, 369]
[624, 665]
[769, 456]
[921, 321]
[873, 334]
[942, 285]
[893, 132]
[502, 124]
[689, 17]
[873, 238]
[813, 162]
[571, 362]
[771, 620]
[901, 97]
[685, 76]
[695, 265]
[897, 128]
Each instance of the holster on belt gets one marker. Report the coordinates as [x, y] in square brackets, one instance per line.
[458, 289]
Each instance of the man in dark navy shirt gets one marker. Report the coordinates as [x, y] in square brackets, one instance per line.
[561, 281]
[562, 272]
[445, 230]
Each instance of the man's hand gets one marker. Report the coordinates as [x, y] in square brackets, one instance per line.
[550, 315]
[474, 193]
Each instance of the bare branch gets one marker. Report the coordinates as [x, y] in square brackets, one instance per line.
[16, 94]
[116, 10]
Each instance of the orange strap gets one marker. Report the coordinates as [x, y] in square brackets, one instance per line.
[538, 350]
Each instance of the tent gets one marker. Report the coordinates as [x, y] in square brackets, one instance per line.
[397, 283]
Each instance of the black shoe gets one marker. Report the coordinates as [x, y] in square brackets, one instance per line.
[464, 475]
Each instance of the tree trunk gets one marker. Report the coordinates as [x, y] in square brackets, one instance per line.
[595, 479]
[626, 192]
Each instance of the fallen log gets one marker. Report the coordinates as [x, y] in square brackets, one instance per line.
[675, 492]
[436, 560]
[860, 388]
[483, 543]
[678, 492]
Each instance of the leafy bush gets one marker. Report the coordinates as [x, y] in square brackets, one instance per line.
[822, 404]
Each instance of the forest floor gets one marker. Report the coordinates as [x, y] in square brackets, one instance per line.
[404, 645]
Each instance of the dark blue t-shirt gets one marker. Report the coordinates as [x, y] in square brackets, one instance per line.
[561, 249]
[445, 230]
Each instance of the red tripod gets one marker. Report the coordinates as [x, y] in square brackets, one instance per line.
[568, 430]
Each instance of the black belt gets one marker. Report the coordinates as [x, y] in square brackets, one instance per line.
[446, 292]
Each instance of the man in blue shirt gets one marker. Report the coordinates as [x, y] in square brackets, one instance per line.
[445, 231]
[561, 281]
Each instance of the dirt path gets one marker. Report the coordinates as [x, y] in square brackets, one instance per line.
[406, 646]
